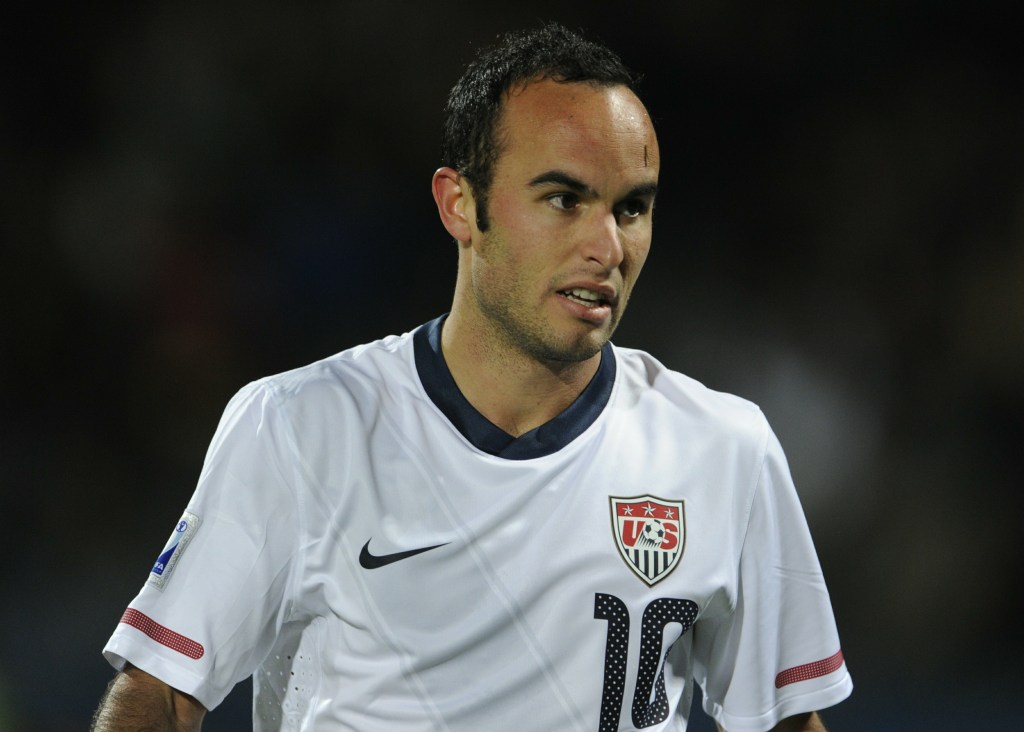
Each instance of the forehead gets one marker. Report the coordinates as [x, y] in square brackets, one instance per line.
[549, 124]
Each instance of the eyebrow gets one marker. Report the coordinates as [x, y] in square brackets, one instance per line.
[643, 190]
[562, 178]
[559, 177]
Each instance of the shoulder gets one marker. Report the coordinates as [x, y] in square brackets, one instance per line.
[386, 363]
[354, 381]
[647, 384]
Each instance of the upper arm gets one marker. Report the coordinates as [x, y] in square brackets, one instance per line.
[218, 603]
[780, 626]
[136, 700]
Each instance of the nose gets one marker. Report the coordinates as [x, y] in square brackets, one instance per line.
[602, 242]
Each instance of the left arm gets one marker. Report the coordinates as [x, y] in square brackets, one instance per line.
[808, 722]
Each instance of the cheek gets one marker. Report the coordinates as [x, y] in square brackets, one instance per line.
[505, 211]
[635, 250]
[522, 236]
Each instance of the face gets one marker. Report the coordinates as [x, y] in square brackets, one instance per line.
[570, 211]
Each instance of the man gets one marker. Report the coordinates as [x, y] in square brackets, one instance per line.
[498, 521]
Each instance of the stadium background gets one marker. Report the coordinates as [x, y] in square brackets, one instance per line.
[197, 196]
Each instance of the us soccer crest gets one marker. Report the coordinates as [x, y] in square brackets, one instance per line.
[650, 533]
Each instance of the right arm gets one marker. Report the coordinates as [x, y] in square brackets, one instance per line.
[137, 701]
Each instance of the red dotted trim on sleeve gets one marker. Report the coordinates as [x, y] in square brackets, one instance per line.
[809, 670]
[163, 636]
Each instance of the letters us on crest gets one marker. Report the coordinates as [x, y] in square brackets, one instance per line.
[650, 533]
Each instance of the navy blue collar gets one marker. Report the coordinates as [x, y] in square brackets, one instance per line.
[550, 437]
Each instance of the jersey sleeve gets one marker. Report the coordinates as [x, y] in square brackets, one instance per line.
[777, 652]
[216, 596]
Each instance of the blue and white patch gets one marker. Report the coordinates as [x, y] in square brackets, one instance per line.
[175, 547]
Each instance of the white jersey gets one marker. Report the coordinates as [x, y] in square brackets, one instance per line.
[380, 557]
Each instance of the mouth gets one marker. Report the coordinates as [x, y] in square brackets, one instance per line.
[585, 297]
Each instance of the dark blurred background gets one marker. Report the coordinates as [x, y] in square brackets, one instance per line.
[198, 196]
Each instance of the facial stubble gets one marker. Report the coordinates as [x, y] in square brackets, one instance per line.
[520, 327]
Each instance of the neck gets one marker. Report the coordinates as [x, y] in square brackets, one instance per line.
[513, 390]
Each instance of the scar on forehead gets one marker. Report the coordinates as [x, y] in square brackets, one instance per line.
[645, 156]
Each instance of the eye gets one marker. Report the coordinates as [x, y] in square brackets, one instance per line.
[633, 208]
[564, 201]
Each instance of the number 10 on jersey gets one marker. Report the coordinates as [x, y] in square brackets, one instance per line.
[650, 702]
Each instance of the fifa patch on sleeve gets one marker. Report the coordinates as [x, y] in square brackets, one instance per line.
[180, 537]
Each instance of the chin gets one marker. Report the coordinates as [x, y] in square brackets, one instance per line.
[576, 350]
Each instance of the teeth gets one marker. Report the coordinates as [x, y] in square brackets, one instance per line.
[584, 294]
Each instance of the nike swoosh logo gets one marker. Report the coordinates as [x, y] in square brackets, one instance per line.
[375, 561]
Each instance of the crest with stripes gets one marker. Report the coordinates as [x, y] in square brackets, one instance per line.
[650, 533]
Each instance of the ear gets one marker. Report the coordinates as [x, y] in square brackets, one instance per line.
[455, 204]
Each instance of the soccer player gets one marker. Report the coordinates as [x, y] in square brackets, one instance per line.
[499, 520]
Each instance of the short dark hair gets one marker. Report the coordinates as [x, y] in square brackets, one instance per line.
[470, 142]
